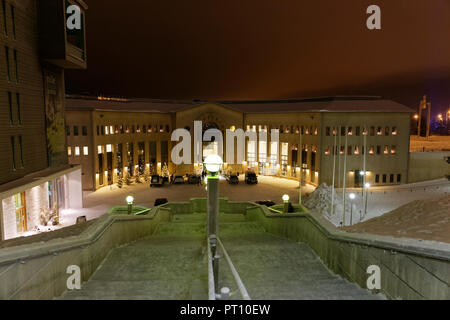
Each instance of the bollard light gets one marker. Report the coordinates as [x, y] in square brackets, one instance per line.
[286, 203]
[367, 185]
[352, 196]
[213, 163]
[130, 199]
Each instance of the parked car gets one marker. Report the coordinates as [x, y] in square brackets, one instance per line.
[232, 178]
[156, 181]
[251, 178]
[194, 179]
[178, 180]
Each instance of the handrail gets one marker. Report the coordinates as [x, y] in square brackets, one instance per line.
[237, 278]
[211, 287]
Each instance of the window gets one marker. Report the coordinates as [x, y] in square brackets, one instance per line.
[108, 148]
[378, 149]
[161, 129]
[11, 118]
[399, 178]
[394, 131]
[372, 131]
[386, 149]
[327, 131]
[138, 129]
[350, 131]
[77, 151]
[349, 150]
[371, 150]
[144, 129]
[342, 131]
[342, 150]
[68, 132]
[384, 178]
[99, 149]
[133, 129]
[98, 130]
[393, 149]
[21, 152]
[387, 131]
[8, 68]
[75, 130]
[13, 18]
[102, 130]
[377, 178]
[5, 24]
[379, 131]
[106, 130]
[167, 128]
[19, 111]
[111, 130]
[16, 64]
[327, 150]
[13, 151]
[391, 178]
[84, 130]
[69, 151]
[149, 128]
[356, 150]
[364, 132]
[86, 150]
[334, 131]
[358, 131]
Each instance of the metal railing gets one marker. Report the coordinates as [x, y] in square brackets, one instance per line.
[213, 272]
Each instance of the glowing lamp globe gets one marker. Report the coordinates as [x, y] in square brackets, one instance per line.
[367, 185]
[129, 199]
[352, 196]
[213, 163]
[285, 198]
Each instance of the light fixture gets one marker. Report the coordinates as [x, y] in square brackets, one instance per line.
[361, 173]
[213, 163]
[352, 196]
[130, 199]
[367, 185]
[285, 198]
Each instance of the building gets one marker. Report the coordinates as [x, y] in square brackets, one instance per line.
[35, 176]
[367, 137]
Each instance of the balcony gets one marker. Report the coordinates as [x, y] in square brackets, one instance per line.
[59, 45]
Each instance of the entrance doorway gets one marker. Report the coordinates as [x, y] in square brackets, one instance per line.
[358, 179]
[21, 212]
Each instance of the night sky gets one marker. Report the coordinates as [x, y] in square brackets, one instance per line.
[261, 49]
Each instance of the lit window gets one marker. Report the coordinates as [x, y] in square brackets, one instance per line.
[108, 148]
[371, 150]
[106, 130]
[99, 149]
[77, 151]
[386, 149]
[111, 129]
[86, 150]
[69, 151]
[379, 131]
[342, 150]
[356, 149]
[350, 131]
[327, 150]
[394, 131]
[232, 128]
[393, 149]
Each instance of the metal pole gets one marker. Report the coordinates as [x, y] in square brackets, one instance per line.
[364, 167]
[345, 176]
[351, 214]
[334, 174]
[130, 208]
[365, 205]
[213, 205]
[300, 148]
[339, 159]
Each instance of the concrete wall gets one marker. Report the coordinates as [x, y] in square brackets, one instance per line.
[428, 165]
[74, 198]
[38, 270]
[410, 269]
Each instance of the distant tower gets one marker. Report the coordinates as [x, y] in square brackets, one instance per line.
[424, 105]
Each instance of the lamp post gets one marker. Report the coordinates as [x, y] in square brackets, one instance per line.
[286, 203]
[213, 163]
[130, 200]
[352, 197]
[366, 186]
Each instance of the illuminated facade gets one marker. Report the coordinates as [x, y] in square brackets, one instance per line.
[35, 177]
[351, 134]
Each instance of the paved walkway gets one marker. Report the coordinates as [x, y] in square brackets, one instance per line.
[172, 265]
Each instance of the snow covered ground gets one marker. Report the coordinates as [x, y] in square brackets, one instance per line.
[382, 200]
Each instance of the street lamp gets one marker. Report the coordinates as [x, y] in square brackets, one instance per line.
[286, 203]
[130, 200]
[352, 196]
[213, 163]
